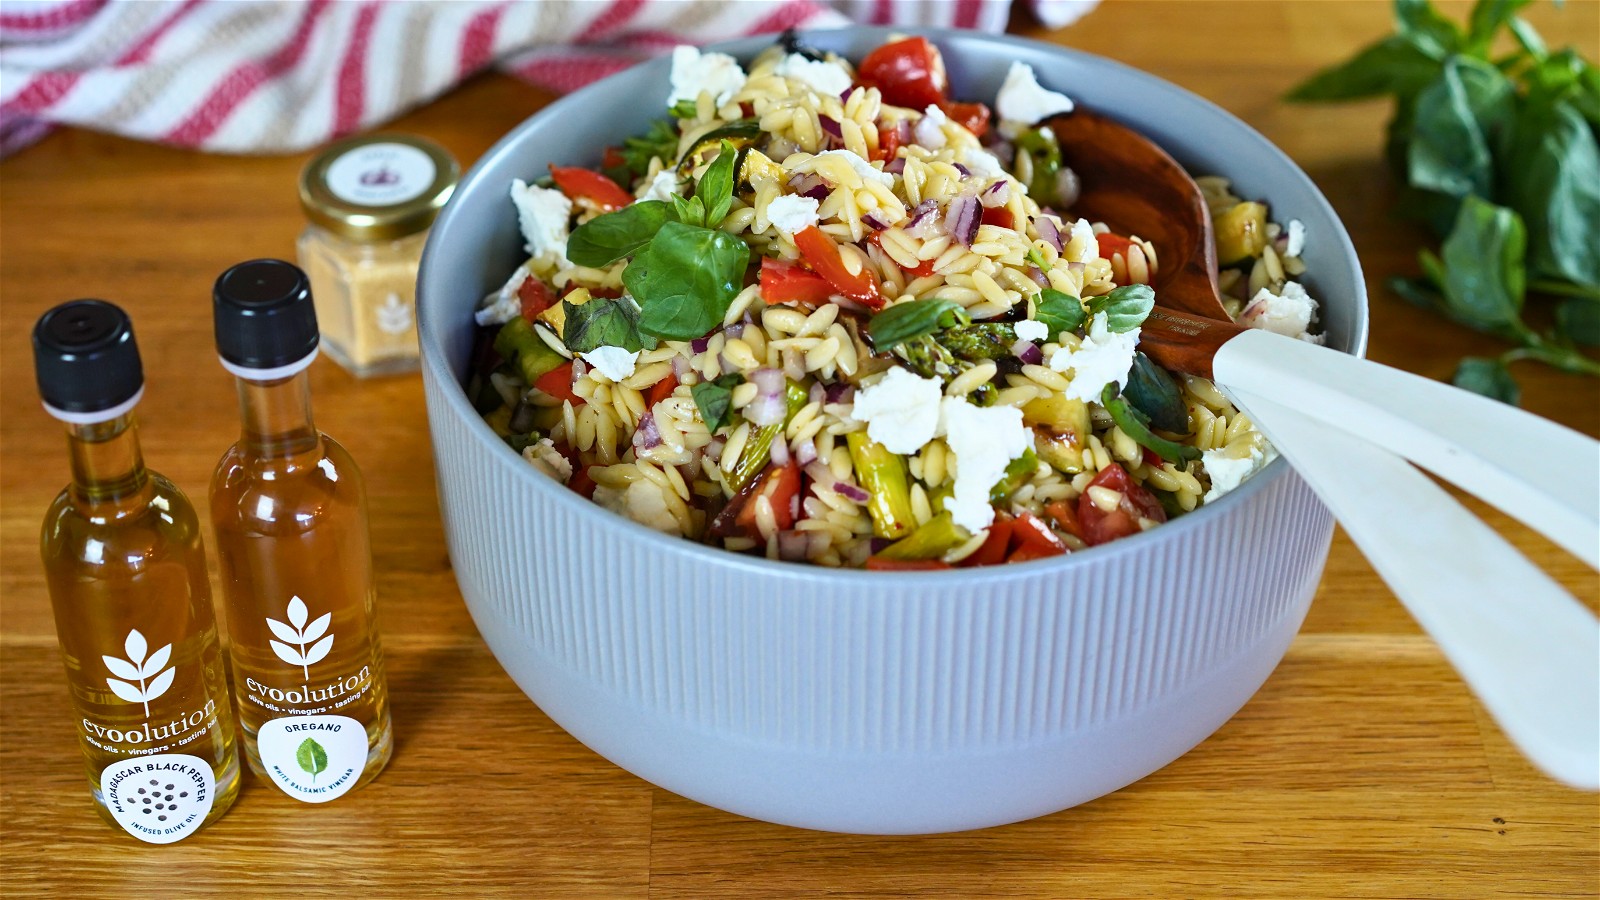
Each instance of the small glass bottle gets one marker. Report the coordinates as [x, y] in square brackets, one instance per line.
[370, 201]
[127, 579]
[290, 510]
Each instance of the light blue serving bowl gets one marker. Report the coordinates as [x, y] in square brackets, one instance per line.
[867, 701]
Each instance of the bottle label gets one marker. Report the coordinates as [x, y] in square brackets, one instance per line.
[313, 758]
[381, 174]
[159, 799]
[141, 677]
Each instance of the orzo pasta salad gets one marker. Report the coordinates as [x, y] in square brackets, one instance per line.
[825, 313]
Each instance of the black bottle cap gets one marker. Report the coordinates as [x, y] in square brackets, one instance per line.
[85, 357]
[263, 314]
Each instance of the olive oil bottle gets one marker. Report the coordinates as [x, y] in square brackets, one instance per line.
[290, 511]
[127, 579]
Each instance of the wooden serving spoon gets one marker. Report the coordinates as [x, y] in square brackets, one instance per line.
[1524, 645]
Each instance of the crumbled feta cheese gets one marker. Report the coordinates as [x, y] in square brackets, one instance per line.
[1033, 330]
[983, 441]
[901, 410]
[792, 213]
[1104, 357]
[614, 363]
[715, 73]
[929, 130]
[1023, 102]
[1082, 246]
[827, 78]
[543, 214]
[982, 163]
[546, 458]
[503, 305]
[1289, 313]
[1297, 238]
[1228, 472]
[642, 502]
[862, 167]
[662, 187]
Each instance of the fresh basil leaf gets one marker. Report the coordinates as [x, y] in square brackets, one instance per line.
[1426, 29]
[1578, 320]
[686, 279]
[607, 238]
[714, 400]
[1457, 117]
[1059, 312]
[1552, 178]
[1134, 424]
[1125, 307]
[906, 321]
[715, 189]
[1394, 65]
[1483, 277]
[603, 323]
[1487, 377]
[1156, 394]
[1488, 17]
[684, 109]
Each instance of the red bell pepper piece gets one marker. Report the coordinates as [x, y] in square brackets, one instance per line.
[998, 216]
[781, 486]
[662, 389]
[579, 183]
[1032, 539]
[786, 282]
[993, 550]
[558, 383]
[822, 254]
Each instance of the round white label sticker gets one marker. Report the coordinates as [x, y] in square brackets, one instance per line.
[313, 758]
[381, 174]
[159, 799]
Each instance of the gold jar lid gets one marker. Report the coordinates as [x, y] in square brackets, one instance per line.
[378, 186]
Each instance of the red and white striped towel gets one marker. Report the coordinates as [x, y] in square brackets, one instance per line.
[266, 77]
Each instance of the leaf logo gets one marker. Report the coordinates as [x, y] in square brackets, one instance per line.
[153, 682]
[300, 634]
[312, 758]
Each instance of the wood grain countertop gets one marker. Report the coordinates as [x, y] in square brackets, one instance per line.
[1363, 768]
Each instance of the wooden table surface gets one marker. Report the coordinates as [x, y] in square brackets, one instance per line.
[1362, 769]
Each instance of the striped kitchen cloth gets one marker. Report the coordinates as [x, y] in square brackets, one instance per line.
[234, 76]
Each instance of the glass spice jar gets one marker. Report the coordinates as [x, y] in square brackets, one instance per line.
[370, 201]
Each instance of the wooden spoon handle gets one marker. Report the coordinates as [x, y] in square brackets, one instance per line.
[1182, 342]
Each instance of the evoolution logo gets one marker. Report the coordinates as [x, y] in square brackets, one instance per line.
[147, 670]
[297, 632]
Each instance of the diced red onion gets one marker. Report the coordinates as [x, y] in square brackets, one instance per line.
[806, 453]
[647, 435]
[924, 219]
[816, 393]
[734, 330]
[895, 166]
[996, 194]
[579, 369]
[1028, 352]
[713, 450]
[962, 169]
[780, 451]
[878, 543]
[1049, 231]
[839, 392]
[700, 344]
[830, 125]
[1038, 276]
[1068, 188]
[818, 193]
[851, 492]
[680, 367]
[793, 545]
[961, 220]
[794, 364]
[872, 220]
[844, 96]
[1075, 266]
[768, 407]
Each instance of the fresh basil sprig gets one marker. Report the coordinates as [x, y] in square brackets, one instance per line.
[607, 238]
[1059, 312]
[603, 323]
[907, 321]
[1500, 156]
[1135, 425]
[1155, 393]
[685, 279]
[1125, 307]
[714, 400]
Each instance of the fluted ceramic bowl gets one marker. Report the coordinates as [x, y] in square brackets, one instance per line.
[858, 701]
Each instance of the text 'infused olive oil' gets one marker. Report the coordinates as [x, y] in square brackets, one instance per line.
[290, 510]
[127, 578]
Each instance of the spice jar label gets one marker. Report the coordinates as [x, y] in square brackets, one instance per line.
[313, 758]
[381, 174]
[159, 799]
